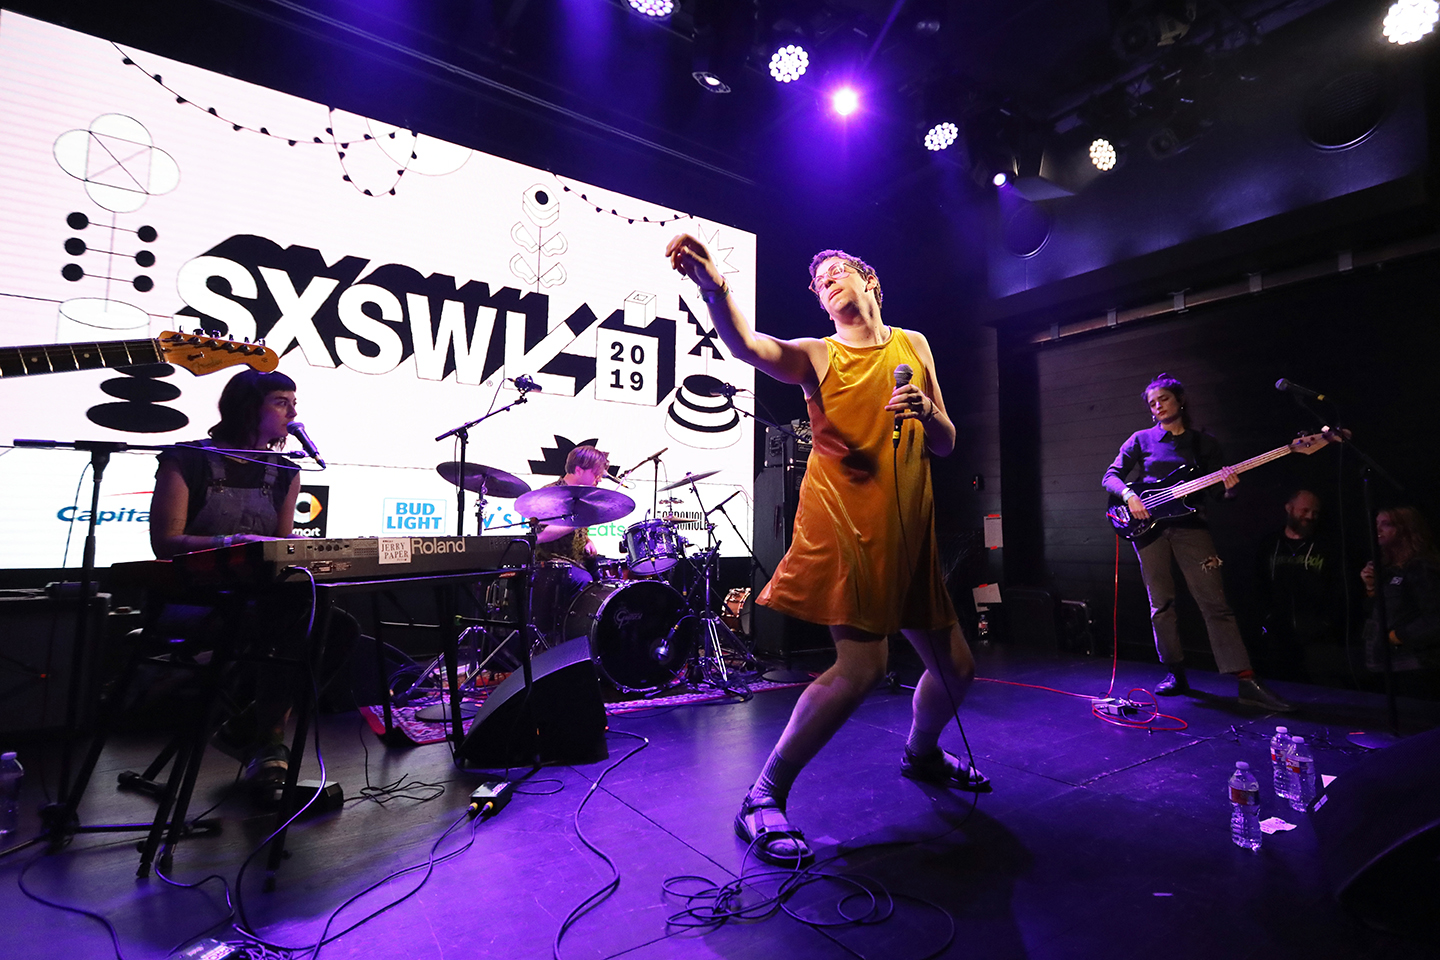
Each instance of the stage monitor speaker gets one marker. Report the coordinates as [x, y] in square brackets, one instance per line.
[37, 642]
[1377, 829]
[562, 721]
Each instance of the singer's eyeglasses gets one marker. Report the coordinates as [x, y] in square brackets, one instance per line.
[837, 270]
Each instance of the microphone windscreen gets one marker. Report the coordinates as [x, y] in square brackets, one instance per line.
[903, 374]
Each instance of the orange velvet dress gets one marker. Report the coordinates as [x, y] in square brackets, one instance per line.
[863, 551]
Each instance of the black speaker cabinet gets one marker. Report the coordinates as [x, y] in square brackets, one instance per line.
[1377, 829]
[37, 643]
[777, 495]
[562, 721]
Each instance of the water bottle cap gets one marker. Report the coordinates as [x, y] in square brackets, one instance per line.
[1282, 729]
[1241, 765]
[7, 755]
[1297, 739]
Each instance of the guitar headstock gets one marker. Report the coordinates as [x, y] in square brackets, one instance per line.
[201, 353]
[1309, 443]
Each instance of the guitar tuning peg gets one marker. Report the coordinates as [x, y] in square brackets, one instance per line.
[199, 332]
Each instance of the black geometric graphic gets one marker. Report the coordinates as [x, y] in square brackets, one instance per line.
[553, 464]
[142, 394]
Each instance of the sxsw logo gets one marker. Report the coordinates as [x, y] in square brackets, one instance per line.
[312, 512]
[414, 516]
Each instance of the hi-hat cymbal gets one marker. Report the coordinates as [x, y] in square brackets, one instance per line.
[575, 506]
[497, 483]
[688, 479]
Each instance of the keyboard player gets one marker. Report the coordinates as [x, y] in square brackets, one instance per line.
[205, 500]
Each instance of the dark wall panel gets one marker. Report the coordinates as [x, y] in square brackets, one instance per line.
[1370, 340]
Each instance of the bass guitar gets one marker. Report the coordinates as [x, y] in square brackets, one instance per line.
[199, 353]
[1166, 499]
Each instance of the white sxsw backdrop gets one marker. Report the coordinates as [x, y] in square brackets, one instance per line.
[399, 315]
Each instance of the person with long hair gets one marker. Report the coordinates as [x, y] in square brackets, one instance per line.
[1412, 602]
[205, 499]
[863, 558]
[1151, 455]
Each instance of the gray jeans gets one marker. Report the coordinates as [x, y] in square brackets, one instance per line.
[1194, 550]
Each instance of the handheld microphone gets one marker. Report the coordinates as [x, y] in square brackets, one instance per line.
[524, 384]
[297, 430]
[903, 375]
[1290, 386]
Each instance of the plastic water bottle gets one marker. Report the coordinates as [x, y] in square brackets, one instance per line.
[11, 773]
[1280, 746]
[1301, 762]
[1244, 808]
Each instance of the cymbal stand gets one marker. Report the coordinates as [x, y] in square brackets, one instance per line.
[711, 648]
[463, 432]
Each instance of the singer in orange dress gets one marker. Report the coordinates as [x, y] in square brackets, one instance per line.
[863, 558]
[863, 549]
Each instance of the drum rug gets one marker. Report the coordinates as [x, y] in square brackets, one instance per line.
[424, 731]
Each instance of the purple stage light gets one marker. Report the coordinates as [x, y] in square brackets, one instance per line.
[845, 101]
[653, 8]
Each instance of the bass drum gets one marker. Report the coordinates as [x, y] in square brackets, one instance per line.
[556, 585]
[631, 626]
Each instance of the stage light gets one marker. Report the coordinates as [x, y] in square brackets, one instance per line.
[1000, 179]
[709, 82]
[653, 8]
[789, 63]
[941, 135]
[1409, 20]
[1102, 154]
[845, 101]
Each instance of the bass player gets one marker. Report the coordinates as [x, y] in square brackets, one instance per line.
[1153, 454]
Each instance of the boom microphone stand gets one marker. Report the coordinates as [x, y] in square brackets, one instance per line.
[1370, 739]
[463, 432]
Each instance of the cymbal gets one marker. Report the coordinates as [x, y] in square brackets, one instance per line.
[688, 478]
[575, 506]
[497, 483]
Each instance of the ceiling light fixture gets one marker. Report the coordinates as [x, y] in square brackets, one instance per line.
[1102, 154]
[941, 135]
[789, 63]
[1409, 20]
[653, 8]
[709, 82]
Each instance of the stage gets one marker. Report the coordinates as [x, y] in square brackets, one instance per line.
[1096, 839]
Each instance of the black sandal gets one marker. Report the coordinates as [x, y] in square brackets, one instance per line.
[944, 769]
[771, 837]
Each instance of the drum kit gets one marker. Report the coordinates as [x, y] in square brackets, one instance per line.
[647, 619]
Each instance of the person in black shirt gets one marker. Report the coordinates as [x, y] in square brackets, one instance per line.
[1301, 594]
[1153, 454]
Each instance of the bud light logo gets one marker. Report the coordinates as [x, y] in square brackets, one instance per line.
[414, 516]
[312, 512]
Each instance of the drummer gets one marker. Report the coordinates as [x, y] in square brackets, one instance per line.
[584, 466]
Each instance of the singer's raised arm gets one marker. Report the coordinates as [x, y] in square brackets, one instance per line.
[799, 361]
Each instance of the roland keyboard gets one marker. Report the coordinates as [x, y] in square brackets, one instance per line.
[363, 558]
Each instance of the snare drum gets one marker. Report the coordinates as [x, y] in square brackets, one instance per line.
[631, 626]
[653, 546]
[737, 611]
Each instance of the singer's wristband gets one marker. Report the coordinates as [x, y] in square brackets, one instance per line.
[715, 296]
